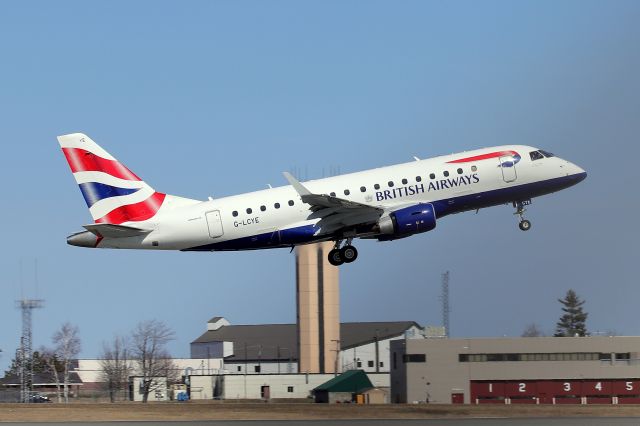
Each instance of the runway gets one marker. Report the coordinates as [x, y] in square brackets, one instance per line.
[575, 421]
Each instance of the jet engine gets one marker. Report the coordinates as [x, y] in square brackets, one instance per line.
[407, 221]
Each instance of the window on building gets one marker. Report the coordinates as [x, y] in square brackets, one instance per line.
[290, 389]
[239, 368]
[256, 368]
[381, 364]
[414, 358]
[359, 364]
[263, 208]
[623, 357]
[370, 364]
[234, 213]
[249, 211]
[290, 202]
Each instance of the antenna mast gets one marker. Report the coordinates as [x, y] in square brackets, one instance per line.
[25, 369]
[445, 303]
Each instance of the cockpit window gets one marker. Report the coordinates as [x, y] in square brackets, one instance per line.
[547, 154]
[536, 155]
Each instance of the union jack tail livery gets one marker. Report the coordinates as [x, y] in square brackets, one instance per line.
[114, 194]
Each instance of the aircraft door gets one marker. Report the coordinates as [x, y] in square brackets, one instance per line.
[214, 222]
[508, 167]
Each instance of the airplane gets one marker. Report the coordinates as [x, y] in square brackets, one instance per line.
[384, 204]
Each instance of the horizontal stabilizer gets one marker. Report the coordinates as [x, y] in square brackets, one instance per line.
[114, 231]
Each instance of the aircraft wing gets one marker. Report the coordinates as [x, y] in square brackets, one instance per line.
[335, 213]
[114, 231]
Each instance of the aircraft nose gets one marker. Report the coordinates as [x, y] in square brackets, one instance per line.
[577, 173]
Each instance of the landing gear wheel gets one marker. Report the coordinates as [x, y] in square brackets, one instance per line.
[524, 225]
[335, 257]
[348, 253]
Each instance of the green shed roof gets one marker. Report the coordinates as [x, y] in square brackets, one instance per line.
[350, 381]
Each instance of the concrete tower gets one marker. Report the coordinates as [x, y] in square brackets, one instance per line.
[318, 309]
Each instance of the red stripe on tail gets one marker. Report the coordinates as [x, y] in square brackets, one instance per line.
[135, 212]
[81, 160]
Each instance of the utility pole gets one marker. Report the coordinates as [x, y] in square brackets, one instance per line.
[445, 303]
[25, 370]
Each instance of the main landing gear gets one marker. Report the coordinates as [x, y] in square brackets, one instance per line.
[346, 254]
[524, 224]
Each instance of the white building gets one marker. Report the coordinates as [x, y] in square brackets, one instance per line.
[273, 348]
[265, 386]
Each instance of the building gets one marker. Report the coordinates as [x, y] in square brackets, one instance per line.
[317, 309]
[537, 370]
[343, 388]
[266, 386]
[273, 348]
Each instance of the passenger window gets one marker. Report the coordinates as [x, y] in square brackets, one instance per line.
[262, 208]
[446, 173]
[234, 213]
[376, 186]
[459, 171]
[347, 192]
[290, 202]
[363, 189]
[536, 155]
[276, 205]
[404, 181]
[333, 194]
[474, 168]
[249, 211]
[390, 183]
[432, 176]
[418, 179]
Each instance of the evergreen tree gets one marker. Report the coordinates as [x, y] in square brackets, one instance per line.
[573, 321]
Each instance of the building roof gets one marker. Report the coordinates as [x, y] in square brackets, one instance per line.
[280, 341]
[40, 379]
[354, 381]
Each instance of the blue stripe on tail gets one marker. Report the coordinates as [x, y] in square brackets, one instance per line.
[94, 192]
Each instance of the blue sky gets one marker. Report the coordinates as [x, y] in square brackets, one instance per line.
[216, 98]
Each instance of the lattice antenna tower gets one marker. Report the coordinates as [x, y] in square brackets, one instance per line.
[445, 303]
[25, 370]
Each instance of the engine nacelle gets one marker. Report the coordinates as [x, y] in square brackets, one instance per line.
[407, 221]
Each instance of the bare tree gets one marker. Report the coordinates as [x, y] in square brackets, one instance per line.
[148, 349]
[48, 355]
[116, 366]
[532, 330]
[66, 342]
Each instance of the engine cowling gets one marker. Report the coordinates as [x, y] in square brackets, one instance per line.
[407, 221]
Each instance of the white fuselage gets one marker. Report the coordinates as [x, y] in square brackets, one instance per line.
[278, 218]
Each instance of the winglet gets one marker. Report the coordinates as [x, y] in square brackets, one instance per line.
[300, 189]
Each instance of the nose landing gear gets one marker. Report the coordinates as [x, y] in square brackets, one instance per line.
[346, 254]
[524, 224]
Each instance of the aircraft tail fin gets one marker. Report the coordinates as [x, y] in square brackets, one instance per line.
[114, 194]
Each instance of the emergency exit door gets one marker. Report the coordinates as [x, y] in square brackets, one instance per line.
[214, 222]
